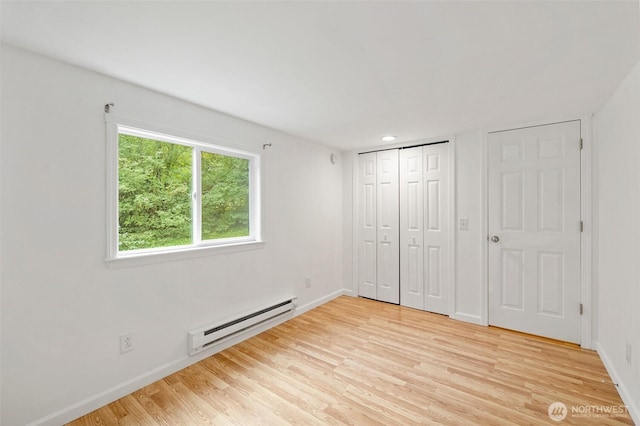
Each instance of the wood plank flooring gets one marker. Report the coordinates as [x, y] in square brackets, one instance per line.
[359, 362]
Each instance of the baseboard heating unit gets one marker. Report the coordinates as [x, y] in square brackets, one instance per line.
[216, 334]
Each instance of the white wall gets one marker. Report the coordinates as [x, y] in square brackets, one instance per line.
[617, 245]
[63, 309]
[349, 197]
[470, 286]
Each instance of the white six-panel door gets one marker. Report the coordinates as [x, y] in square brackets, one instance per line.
[388, 227]
[424, 228]
[436, 227]
[367, 228]
[534, 230]
[411, 229]
[404, 231]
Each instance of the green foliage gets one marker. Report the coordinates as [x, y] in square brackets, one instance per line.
[225, 196]
[154, 194]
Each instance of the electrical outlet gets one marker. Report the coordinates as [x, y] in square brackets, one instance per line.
[126, 342]
[307, 282]
[627, 354]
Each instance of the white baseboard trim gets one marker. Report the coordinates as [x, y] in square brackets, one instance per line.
[321, 301]
[92, 403]
[632, 406]
[473, 319]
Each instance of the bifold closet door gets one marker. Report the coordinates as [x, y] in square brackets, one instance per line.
[437, 227]
[367, 229]
[378, 236]
[411, 229]
[388, 227]
[424, 228]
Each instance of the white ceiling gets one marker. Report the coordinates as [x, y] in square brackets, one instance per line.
[345, 73]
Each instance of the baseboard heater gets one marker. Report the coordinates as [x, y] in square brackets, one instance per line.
[217, 334]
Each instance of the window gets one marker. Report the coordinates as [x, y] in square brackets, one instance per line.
[173, 194]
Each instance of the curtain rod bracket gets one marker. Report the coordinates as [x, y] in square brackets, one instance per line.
[266, 145]
[107, 107]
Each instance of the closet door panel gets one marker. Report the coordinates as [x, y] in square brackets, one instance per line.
[411, 228]
[437, 228]
[367, 226]
[388, 247]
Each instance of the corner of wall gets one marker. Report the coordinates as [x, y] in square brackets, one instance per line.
[632, 405]
[616, 243]
[79, 255]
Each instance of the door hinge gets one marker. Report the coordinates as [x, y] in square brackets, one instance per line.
[581, 144]
[581, 309]
[581, 226]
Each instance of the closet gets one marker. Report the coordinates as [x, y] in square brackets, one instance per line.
[379, 270]
[403, 226]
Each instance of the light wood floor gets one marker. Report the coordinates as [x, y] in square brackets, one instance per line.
[360, 362]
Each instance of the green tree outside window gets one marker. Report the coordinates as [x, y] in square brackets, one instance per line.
[155, 187]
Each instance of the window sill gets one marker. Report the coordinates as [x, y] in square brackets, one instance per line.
[181, 254]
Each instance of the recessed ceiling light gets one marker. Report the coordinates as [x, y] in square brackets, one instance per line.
[389, 138]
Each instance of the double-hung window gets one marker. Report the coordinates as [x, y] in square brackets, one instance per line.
[170, 194]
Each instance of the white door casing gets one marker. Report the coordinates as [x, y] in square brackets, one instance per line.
[534, 222]
[388, 227]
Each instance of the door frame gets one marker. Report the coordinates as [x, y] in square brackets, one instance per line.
[355, 182]
[586, 237]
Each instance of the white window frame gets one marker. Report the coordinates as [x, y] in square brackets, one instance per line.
[116, 125]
